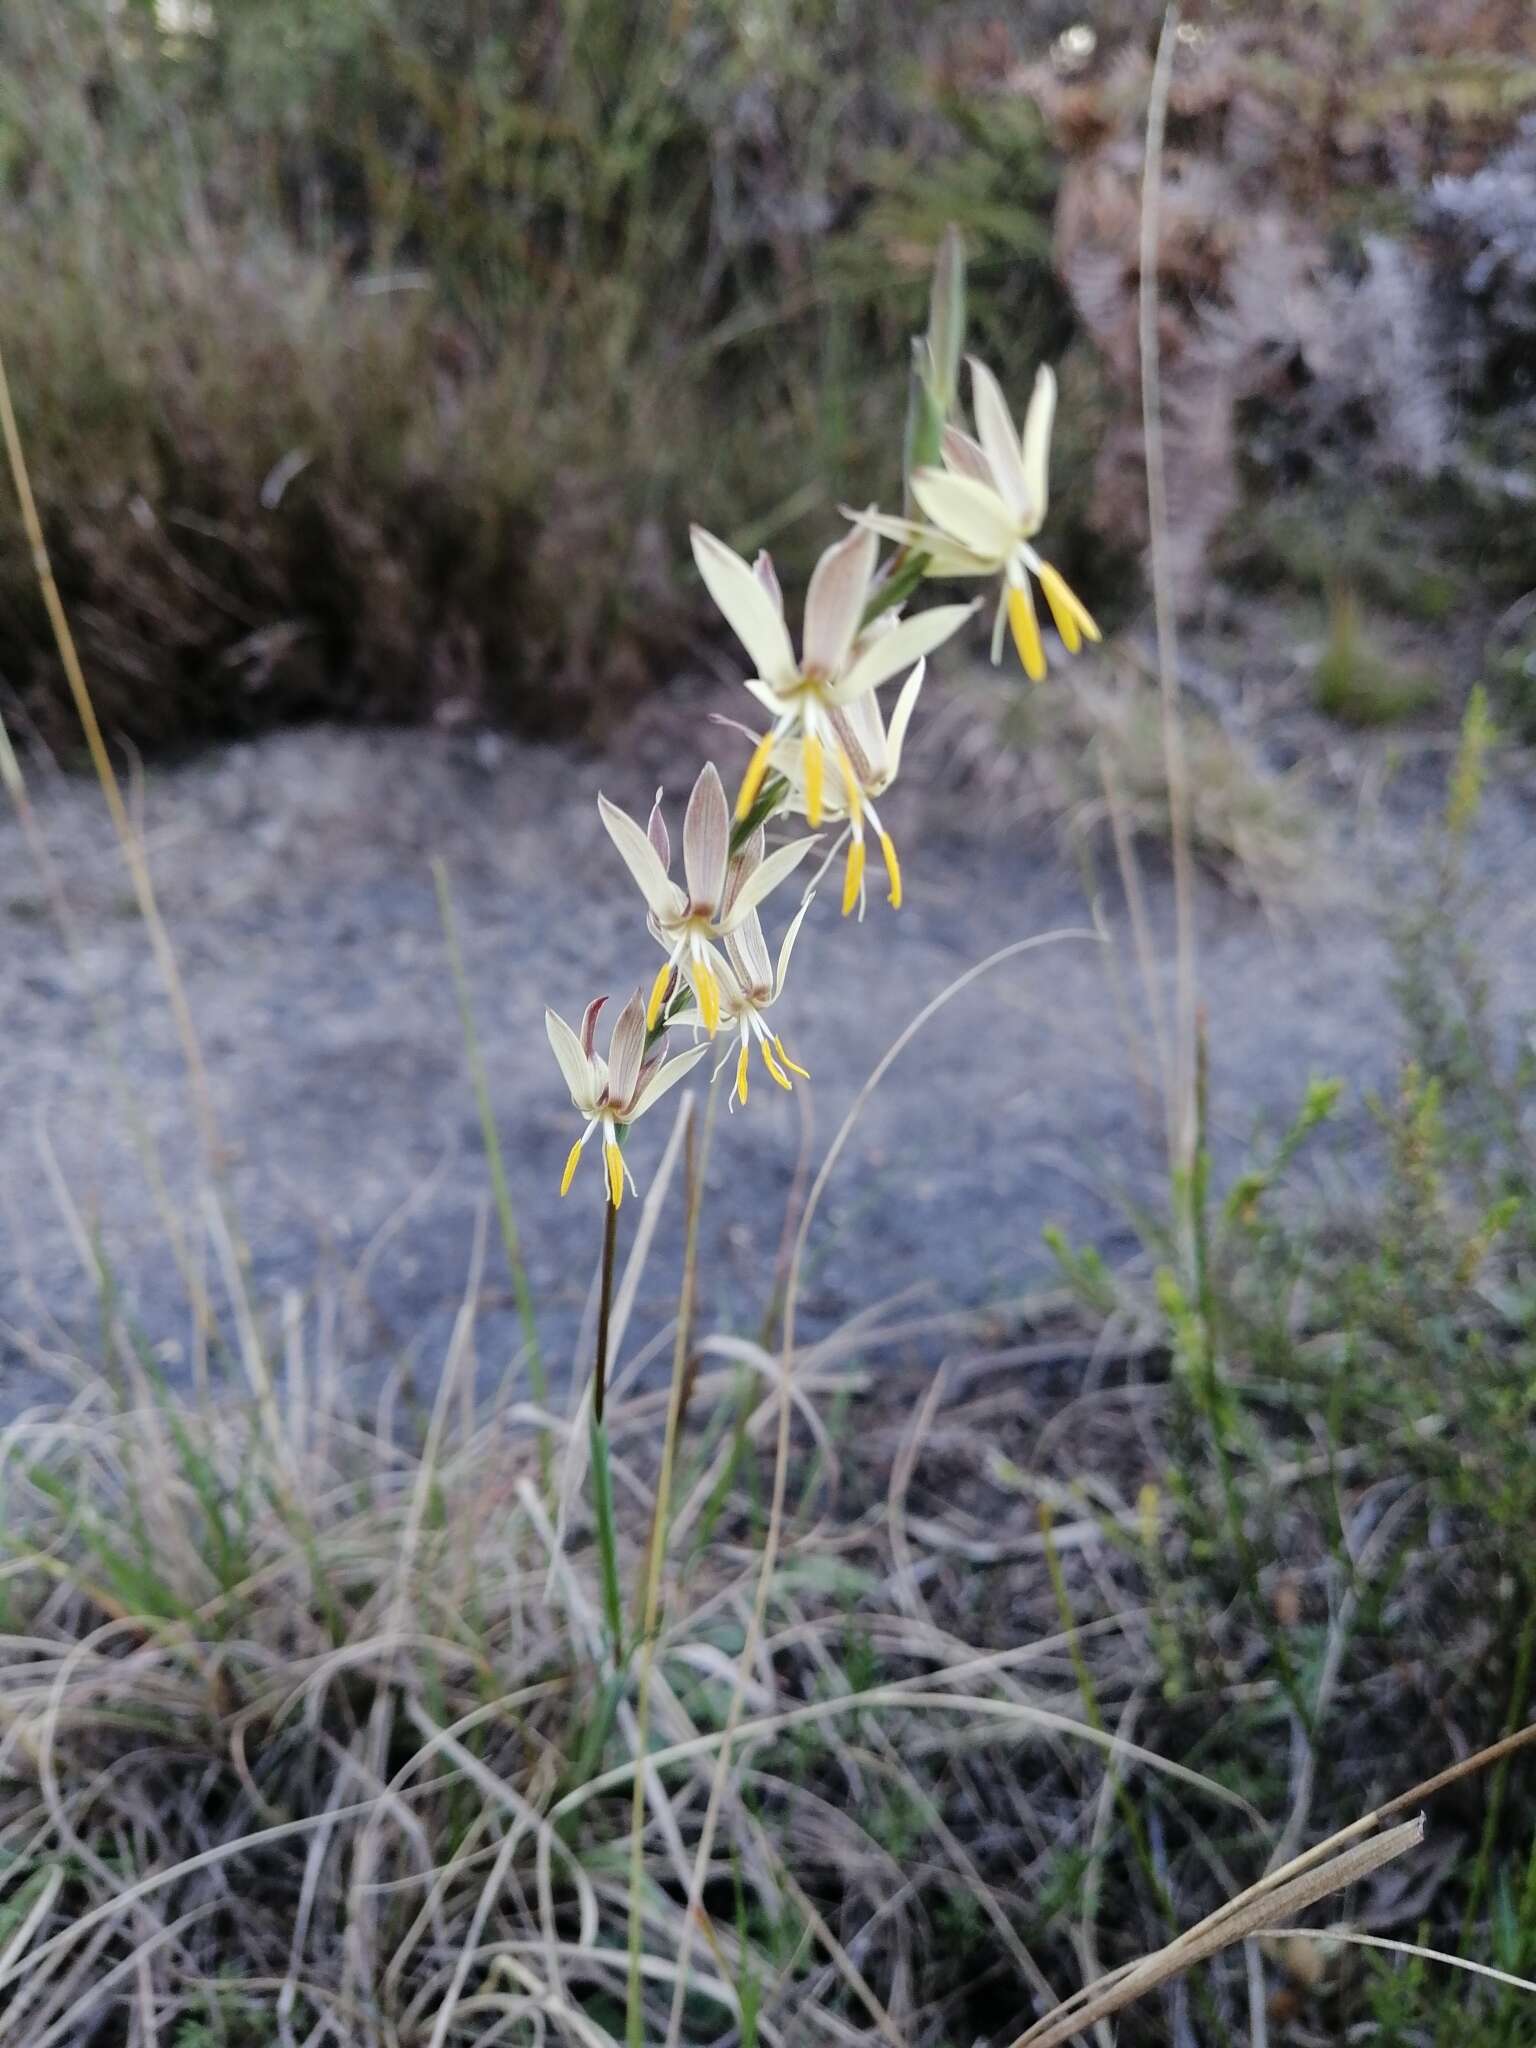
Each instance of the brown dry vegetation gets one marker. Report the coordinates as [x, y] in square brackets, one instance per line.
[371, 365]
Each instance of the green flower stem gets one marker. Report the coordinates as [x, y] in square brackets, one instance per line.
[607, 1539]
[602, 1470]
[769, 798]
[649, 1618]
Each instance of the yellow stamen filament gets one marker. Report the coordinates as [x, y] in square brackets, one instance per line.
[1026, 631]
[778, 1046]
[615, 1160]
[741, 1073]
[1066, 604]
[570, 1167]
[815, 769]
[773, 1066]
[851, 789]
[752, 781]
[658, 990]
[853, 880]
[707, 989]
[892, 869]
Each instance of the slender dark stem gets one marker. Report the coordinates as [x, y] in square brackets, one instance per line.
[604, 1309]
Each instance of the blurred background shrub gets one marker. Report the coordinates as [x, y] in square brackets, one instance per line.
[372, 355]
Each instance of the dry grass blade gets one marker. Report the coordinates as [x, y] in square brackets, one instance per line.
[1253, 1912]
[1407, 1948]
[1181, 1104]
[129, 837]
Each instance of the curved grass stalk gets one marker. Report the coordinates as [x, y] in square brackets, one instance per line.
[128, 837]
[1406, 1948]
[538, 1378]
[1180, 1107]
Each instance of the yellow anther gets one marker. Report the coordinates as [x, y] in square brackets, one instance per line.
[853, 880]
[1062, 599]
[707, 989]
[851, 789]
[615, 1161]
[658, 990]
[1026, 631]
[778, 1046]
[741, 1073]
[773, 1066]
[570, 1166]
[815, 768]
[752, 781]
[1056, 595]
[892, 869]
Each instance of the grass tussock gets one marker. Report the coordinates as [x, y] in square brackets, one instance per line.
[1092, 757]
[1359, 684]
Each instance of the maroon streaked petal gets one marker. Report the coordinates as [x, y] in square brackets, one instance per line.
[589, 1018]
[625, 1049]
[706, 839]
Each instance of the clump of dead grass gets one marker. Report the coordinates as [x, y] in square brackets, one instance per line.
[367, 389]
[311, 1733]
[1090, 758]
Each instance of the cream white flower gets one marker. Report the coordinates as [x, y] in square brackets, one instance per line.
[840, 660]
[983, 510]
[613, 1092]
[753, 985]
[873, 753]
[721, 891]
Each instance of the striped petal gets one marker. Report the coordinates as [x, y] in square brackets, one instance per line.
[1000, 439]
[656, 832]
[834, 603]
[747, 951]
[626, 1049]
[764, 880]
[663, 896]
[910, 533]
[574, 1064]
[965, 456]
[1038, 422]
[787, 947]
[749, 610]
[899, 648]
[589, 1017]
[945, 556]
[859, 730]
[664, 1078]
[901, 717]
[747, 859]
[969, 512]
[706, 839]
[768, 576]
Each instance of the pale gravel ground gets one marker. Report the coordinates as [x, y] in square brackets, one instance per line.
[294, 876]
